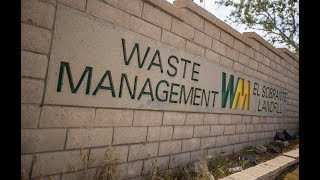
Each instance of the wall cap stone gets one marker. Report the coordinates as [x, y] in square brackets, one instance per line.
[206, 15]
[287, 51]
[278, 51]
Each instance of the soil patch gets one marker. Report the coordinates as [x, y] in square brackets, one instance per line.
[236, 159]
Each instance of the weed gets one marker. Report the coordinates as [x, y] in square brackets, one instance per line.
[23, 175]
[167, 174]
[108, 168]
[248, 148]
[201, 169]
[184, 172]
[242, 162]
[218, 164]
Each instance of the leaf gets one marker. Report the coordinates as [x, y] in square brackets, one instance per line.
[279, 18]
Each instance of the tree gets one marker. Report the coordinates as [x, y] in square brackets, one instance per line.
[278, 19]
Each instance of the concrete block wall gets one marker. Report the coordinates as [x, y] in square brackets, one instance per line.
[53, 138]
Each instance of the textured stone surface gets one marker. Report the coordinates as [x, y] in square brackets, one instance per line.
[37, 13]
[147, 118]
[55, 116]
[87, 34]
[33, 64]
[97, 155]
[157, 17]
[31, 90]
[143, 151]
[181, 132]
[79, 4]
[107, 12]
[201, 131]
[81, 138]
[36, 140]
[182, 29]
[174, 118]
[160, 133]
[113, 117]
[190, 145]
[58, 162]
[85, 49]
[170, 147]
[30, 115]
[35, 39]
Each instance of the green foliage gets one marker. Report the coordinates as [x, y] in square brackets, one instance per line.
[168, 175]
[242, 162]
[278, 19]
[107, 169]
[217, 164]
[248, 148]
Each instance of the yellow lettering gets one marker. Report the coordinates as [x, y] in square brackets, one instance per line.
[243, 94]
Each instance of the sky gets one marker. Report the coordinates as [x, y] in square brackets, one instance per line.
[222, 12]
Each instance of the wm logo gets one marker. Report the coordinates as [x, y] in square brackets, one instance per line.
[240, 91]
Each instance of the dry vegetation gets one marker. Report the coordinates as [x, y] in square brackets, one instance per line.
[207, 168]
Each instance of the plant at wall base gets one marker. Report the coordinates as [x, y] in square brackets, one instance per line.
[168, 175]
[218, 164]
[242, 162]
[156, 174]
[84, 158]
[248, 148]
[23, 175]
[184, 172]
[108, 168]
[202, 170]
[277, 19]
[154, 170]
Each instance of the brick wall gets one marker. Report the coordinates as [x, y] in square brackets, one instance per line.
[52, 136]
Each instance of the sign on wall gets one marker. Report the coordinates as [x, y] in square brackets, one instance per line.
[96, 64]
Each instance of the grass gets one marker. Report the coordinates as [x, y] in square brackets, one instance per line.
[218, 164]
[207, 168]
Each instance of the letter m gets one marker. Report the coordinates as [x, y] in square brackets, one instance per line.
[243, 93]
[65, 66]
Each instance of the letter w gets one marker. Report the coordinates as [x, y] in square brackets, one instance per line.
[135, 48]
[227, 90]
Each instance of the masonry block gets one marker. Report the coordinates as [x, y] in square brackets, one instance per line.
[80, 138]
[143, 151]
[39, 140]
[190, 144]
[170, 147]
[125, 135]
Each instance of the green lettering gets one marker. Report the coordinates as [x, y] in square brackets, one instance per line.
[171, 92]
[184, 95]
[194, 71]
[145, 92]
[135, 48]
[205, 96]
[65, 65]
[165, 92]
[230, 90]
[185, 66]
[174, 67]
[156, 64]
[100, 86]
[196, 96]
[132, 94]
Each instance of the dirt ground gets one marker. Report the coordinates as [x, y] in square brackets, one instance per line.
[292, 173]
[234, 159]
